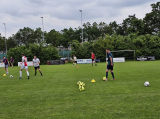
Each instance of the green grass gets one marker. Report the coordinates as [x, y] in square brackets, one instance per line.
[56, 95]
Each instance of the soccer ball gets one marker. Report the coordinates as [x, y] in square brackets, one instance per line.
[104, 78]
[146, 83]
[78, 82]
[83, 84]
[11, 76]
[81, 88]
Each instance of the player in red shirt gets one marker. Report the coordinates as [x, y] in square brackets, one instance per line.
[93, 57]
[24, 66]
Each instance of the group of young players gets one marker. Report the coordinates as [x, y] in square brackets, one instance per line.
[109, 65]
[36, 63]
[6, 63]
[24, 65]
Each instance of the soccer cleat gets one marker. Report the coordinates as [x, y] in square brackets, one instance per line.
[28, 77]
[113, 79]
[105, 79]
[20, 77]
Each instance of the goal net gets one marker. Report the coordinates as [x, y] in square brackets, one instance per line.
[127, 54]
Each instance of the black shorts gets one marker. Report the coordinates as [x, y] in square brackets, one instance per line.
[75, 61]
[109, 67]
[93, 59]
[37, 67]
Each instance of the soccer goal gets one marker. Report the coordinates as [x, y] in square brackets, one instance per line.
[126, 54]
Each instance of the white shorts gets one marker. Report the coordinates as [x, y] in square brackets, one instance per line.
[24, 67]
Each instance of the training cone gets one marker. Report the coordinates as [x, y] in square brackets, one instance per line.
[93, 80]
[4, 74]
[77, 66]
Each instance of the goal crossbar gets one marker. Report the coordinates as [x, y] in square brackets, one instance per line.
[122, 51]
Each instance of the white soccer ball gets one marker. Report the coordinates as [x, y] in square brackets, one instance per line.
[146, 83]
[11, 76]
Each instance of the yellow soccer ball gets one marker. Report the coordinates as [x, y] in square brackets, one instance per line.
[81, 88]
[104, 78]
[78, 82]
[83, 84]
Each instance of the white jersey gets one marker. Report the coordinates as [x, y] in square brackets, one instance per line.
[24, 61]
[36, 62]
[75, 58]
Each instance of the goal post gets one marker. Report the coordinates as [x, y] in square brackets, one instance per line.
[123, 51]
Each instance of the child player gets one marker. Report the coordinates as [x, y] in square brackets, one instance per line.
[36, 63]
[12, 61]
[24, 66]
[6, 63]
[109, 65]
[93, 57]
[74, 60]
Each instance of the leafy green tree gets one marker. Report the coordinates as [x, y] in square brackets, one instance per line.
[2, 43]
[67, 36]
[24, 36]
[44, 53]
[38, 35]
[53, 37]
[152, 20]
[10, 43]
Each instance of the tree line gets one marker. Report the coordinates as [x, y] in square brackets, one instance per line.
[148, 27]
[144, 45]
[45, 53]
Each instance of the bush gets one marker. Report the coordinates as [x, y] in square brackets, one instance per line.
[144, 45]
[43, 53]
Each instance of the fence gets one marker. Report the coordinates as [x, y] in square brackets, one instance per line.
[65, 53]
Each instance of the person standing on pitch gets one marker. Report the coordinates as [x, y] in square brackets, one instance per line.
[12, 61]
[6, 63]
[36, 63]
[93, 57]
[74, 60]
[109, 65]
[24, 66]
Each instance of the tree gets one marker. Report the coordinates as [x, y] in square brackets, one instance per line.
[67, 36]
[152, 20]
[24, 36]
[43, 52]
[10, 43]
[53, 37]
[38, 35]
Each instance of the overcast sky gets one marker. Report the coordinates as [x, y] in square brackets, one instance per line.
[60, 14]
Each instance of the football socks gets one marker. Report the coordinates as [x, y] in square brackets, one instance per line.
[106, 75]
[112, 75]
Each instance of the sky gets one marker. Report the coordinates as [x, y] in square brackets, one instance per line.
[60, 14]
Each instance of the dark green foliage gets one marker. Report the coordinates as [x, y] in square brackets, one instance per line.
[2, 43]
[43, 53]
[145, 45]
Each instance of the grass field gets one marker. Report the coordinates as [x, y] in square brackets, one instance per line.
[56, 95]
